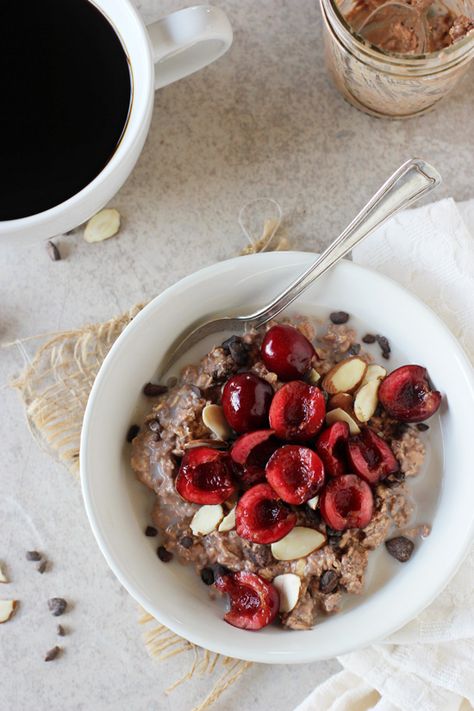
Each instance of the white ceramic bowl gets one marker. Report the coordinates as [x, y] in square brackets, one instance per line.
[118, 507]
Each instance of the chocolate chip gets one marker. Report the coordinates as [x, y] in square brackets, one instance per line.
[132, 432]
[369, 338]
[339, 317]
[422, 427]
[33, 555]
[53, 252]
[41, 567]
[354, 349]
[384, 345]
[164, 555]
[154, 425]
[333, 541]
[400, 548]
[332, 532]
[186, 542]
[237, 349]
[153, 390]
[399, 430]
[150, 531]
[60, 631]
[52, 654]
[57, 606]
[328, 582]
[399, 475]
[171, 382]
[207, 576]
[386, 355]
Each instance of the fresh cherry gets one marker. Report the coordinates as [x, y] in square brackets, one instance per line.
[250, 453]
[346, 502]
[246, 401]
[261, 517]
[205, 476]
[297, 411]
[286, 352]
[407, 394]
[370, 456]
[331, 447]
[254, 602]
[296, 473]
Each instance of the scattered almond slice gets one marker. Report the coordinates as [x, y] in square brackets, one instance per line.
[213, 418]
[313, 503]
[373, 372]
[228, 522]
[366, 400]
[342, 400]
[346, 376]
[206, 519]
[339, 415]
[3, 577]
[313, 377]
[288, 586]
[103, 225]
[7, 608]
[298, 543]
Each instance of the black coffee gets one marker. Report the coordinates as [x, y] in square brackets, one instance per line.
[65, 98]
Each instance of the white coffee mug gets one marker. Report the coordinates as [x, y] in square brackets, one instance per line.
[165, 51]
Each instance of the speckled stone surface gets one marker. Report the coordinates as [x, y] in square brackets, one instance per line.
[263, 121]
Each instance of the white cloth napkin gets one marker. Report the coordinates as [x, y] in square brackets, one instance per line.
[428, 665]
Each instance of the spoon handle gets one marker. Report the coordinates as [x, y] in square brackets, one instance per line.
[411, 181]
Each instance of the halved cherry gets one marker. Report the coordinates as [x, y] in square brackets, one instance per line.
[346, 502]
[370, 456]
[246, 401]
[297, 411]
[205, 476]
[261, 517]
[408, 395]
[296, 473]
[286, 352]
[331, 447]
[251, 452]
[254, 602]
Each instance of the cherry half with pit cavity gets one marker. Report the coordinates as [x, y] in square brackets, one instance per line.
[297, 411]
[286, 352]
[407, 394]
[250, 454]
[296, 473]
[370, 456]
[254, 602]
[346, 502]
[205, 476]
[261, 517]
[331, 447]
[246, 402]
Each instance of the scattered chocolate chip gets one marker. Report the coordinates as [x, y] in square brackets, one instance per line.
[354, 349]
[186, 542]
[164, 555]
[33, 555]
[400, 548]
[369, 338]
[422, 427]
[42, 565]
[386, 355]
[154, 425]
[328, 582]
[334, 541]
[53, 252]
[150, 531]
[391, 483]
[60, 631]
[153, 389]
[52, 654]
[207, 576]
[237, 349]
[384, 345]
[339, 317]
[332, 532]
[132, 432]
[399, 475]
[57, 606]
[399, 430]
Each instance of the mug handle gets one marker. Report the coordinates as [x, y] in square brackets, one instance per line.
[188, 40]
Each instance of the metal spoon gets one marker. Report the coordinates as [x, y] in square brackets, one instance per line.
[411, 181]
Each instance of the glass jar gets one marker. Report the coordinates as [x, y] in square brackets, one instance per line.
[385, 84]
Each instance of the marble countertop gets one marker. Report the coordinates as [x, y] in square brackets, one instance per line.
[263, 121]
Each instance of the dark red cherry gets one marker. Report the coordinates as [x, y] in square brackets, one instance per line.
[407, 394]
[331, 447]
[254, 602]
[250, 453]
[296, 473]
[346, 502]
[246, 401]
[370, 456]
[261, 517]
[205, 476]
[297, 411]
[286, 352]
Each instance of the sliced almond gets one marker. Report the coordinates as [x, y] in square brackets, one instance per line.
[374, 372]
[339, 415]
[103, 225]
[206, 519]
[345, 376]
[3, 577]
[228, 522]
[213, 418]
[313, 503]
[213, 443]
[313, 377]
[366, 400]
[298, 543]
[7, 608]
[342, 400]
[288, 586]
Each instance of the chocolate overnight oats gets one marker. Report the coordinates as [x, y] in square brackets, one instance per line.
[280, 461]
